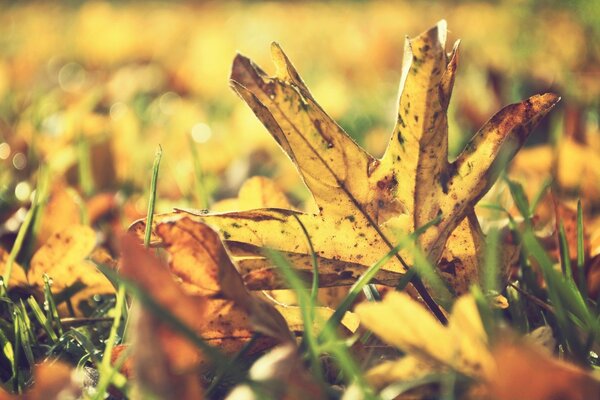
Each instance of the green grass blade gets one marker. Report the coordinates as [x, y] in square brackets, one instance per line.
[539, 195]
[328, 337]
[20, 239]
[314, 290]
[39, 315]
[50, 305]
[581, 281]
[519, 197]
[106, 370]
[565, 257]
[306, 307]
[9, 353]
[556, 288]
[152, 201]
[370, 273]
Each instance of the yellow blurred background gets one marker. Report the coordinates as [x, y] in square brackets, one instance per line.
[98, 86]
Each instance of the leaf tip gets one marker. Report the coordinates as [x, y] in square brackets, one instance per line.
[280, 60]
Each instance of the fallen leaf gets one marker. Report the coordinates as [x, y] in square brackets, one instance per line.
[524, 372]
[64, 208]
[363, 202]
[462, 345]
[204, 274]
[256, 192]
[63, 257]
[504, 370]
[262, 192]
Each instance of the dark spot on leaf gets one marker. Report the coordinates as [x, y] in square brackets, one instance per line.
[345, 274]
[401, 121]
[447, 267]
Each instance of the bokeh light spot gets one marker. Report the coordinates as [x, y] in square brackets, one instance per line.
[201, 133]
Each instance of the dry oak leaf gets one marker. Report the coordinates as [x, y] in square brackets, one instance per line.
[63, 257]
[199, 270]
[365, 202]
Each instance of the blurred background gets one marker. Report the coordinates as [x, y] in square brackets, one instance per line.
[89, 90]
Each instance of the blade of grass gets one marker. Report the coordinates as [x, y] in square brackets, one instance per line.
[20, 239]
[516, 309]
[519, 197]
[39, 315]
[152, 200]
[9, 353]
[553, 281]
[314, 290]
[110, 375]
[539, 195]
[430, 274]
[106, 370]
[565, 257]
[50, 305]
[42, 188]
[306, 307]
[85, 343]
[581, 282]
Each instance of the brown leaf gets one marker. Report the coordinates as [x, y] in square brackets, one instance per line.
[524, 372]
[207, 281]
[154, 278]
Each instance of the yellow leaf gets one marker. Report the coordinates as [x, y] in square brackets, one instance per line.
[63, 257]
[462, 345]
[407, 368]
[364, 203]
[256, 192]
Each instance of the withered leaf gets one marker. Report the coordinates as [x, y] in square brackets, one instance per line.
[364, 202]
[520, 376]
[63, 257]
[202, 287]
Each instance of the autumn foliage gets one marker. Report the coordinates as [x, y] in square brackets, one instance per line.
[427, 272]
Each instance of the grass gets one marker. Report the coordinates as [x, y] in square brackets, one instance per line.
[34, 331]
